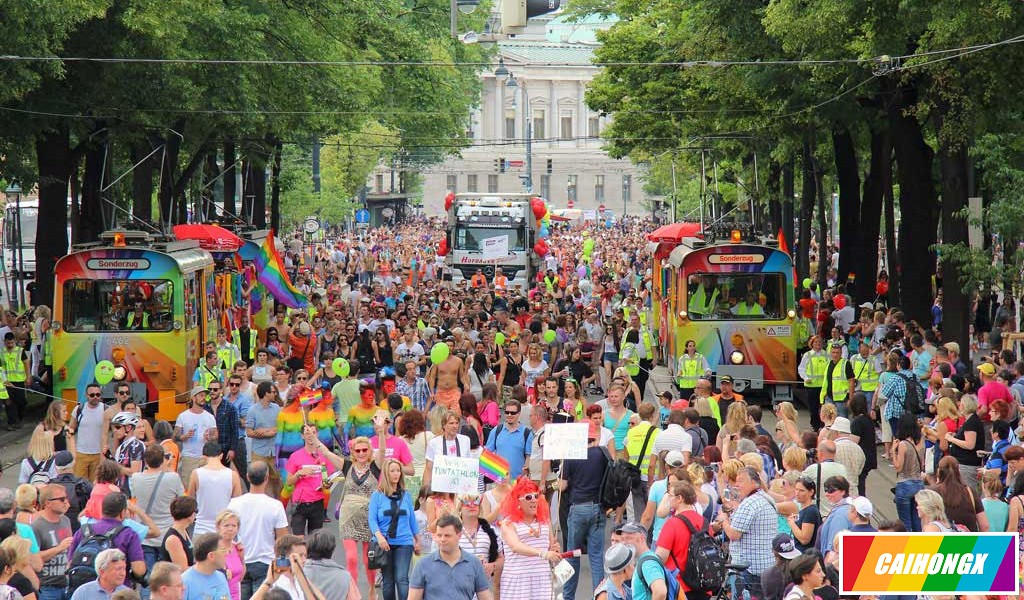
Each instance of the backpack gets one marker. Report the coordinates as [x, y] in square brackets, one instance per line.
[671, 576]
[705, 560]
[81, 567]
[617, 482]
[40, 472]
[913, 402]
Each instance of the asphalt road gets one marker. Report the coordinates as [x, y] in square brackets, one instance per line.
[880, 482]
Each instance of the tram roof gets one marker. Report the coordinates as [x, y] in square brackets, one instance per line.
[186, 254]
[688, 245]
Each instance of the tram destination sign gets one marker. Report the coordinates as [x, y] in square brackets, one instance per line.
[117, 264]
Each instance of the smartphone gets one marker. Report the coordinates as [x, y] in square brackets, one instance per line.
[714, 467]
[283, 563]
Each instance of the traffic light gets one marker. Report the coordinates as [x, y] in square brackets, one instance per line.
[501, 164]
[515, 13]
[550, 166]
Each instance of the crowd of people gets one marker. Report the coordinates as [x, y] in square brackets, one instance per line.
[280, 456]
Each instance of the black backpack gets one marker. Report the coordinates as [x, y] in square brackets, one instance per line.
[913, 401]
[81, 567]
[617, 482]
[705, 560]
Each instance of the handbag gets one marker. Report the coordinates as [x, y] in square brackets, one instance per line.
[376, 557]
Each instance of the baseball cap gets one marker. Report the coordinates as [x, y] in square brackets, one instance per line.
[196, 391]
[725, 379]
[63, 459]
[632, 527]
[987, 368]
[784, 546]
[863, 506]
[617, 558]
[866, 305]
[675, 458]
[841, 425]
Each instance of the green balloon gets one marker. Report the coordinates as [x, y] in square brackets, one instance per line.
[439, 353]
[807, 283]
[499, 338]
[549, 336]
[341, 367]
[104, 372]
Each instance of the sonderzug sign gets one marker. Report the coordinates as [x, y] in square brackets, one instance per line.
[117, 264]
[735, 259]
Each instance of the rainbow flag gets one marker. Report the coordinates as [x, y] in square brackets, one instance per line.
[493, 466]
[310, 398]
[270, 272]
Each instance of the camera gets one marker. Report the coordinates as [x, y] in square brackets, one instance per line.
[282, 563]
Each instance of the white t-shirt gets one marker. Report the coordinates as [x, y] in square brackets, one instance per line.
[674, 437]
[89, 430]
[198, 424]
[263, 515]
[434, 447]
[406, 352]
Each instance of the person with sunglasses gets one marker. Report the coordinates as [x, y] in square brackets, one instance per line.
[129, 448]
[52, 528]
[530, 545]
[479, 538]
[154, 489]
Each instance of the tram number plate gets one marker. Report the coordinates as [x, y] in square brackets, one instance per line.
[779, 331]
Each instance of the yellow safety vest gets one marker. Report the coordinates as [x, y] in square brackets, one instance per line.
[227, 357]
[208, 375]
[716, 411]
[48, 349]
[550, 283]
[867, 376]
[840, 385]
[816, 369]
[635, 442]
[237, 339]
[14, 366]
[632, 365]
[131, 320]
[828, 347]
[699, 303]
[689, 370]
[743, 310]
[3, 389]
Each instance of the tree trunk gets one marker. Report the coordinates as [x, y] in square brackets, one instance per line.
[848, 178]
[230, 188]
[774, 200]
[142, 179]
[275, 196]
[247, 190]
[55, 163]
[953, 164]
[259, 215]
[92, 216]
[807, 196]
[169, 168]
[788, 193]
[871, 215]
[824, 256]
[892, 254]
[917, 206]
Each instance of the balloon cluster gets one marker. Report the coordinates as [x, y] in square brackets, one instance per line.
[543, 216]
[449, 200]
[442, 247]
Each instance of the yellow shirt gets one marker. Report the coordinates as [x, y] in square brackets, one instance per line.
[635, 442]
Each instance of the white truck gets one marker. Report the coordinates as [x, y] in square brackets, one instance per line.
[488, 232]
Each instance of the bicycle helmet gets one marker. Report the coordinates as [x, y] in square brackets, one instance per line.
[125, 418]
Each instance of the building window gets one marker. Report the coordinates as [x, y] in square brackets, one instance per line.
[492, 184]
[538, 125]
[599, 188]
[545, 186]
[565, 124]
[510, 124]
[594, 127]
[471, 183]
[627, 188]
[572, 188]
[452, 183]
[380, 182]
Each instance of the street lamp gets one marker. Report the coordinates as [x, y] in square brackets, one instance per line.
[14, 191]
[502, 71]
[460, 6]
[512, 84]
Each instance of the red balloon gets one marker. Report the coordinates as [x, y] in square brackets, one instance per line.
[448, 200]
[839, 301]
[541, 248]
[442, 248]
[539, 209]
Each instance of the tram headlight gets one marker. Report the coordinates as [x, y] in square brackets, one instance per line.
[120, 373]
[791, 314]
[55, 325]
[736, 357]
[177, 325]
[682, 314]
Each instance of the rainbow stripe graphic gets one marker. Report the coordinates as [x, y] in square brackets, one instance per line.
[930, 563]
[270, 272]
[493, 466]
[311, 397]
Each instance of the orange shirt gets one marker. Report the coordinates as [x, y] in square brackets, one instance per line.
[478, 281]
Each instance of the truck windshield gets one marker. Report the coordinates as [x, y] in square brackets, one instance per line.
[728, 296]
[118, 305]
[29, 219]
[471, 237]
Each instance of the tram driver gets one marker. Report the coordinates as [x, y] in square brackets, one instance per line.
[705, 298]
[749, 307]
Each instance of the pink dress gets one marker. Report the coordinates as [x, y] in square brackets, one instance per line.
[235, 566]
[527, 577]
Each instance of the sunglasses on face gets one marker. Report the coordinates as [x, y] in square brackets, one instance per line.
[301, 378]
[829, 490]
[511, 412]
[360, 450]
[93, 395]
[123, 392]
[530, 497]
[473, 502]
[216, 389]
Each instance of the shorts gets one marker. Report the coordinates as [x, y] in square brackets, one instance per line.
[449, 399]
[611, 357]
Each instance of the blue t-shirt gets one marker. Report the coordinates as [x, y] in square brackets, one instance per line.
[658, 489]
[652, 571]
[263, 418]
[205, 587]
[26, 532]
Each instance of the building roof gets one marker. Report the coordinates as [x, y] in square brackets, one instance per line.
[547, 52]
[561, 29]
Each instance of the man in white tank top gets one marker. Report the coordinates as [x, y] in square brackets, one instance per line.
[87, 425]
[213, 485]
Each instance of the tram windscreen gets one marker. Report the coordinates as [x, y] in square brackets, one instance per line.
[118, 305]
[736, 296]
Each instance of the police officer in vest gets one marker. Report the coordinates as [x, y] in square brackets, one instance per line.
[839, 381]
[690, 366]
[227, 352]
[641, 337]
[866, 373]
[748, 307]
[704, 299]
[137, 318]
[208, 371]
[812, 372]
[244, 339]
[15, 361]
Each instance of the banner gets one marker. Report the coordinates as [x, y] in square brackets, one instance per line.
[929, 563]
[455, 474]
[565, 441]
[495, 247]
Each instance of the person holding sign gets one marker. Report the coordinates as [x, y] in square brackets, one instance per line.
[580, 482]
[530, 546]
[449, 443]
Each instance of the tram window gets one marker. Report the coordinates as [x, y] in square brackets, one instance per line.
[736, 296]
[191, 302]
[118, 305]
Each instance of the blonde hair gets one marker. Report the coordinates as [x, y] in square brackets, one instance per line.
[731, 468]
[828, 412]
[224, 515]
[26, 496]
[18, 549]
[385, 482]
[931, 506]
[945, 408]
[787, 410]
[703, 407]
[40, 445]
[696, 474]
[793, 458]
[735, 418]
[621, 372]
[436, 418]
[752, 460]
[365, 441]
[53, 421]
[970, 402]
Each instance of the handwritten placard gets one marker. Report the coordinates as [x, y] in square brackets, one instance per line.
[455, 474]
[565, 441]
